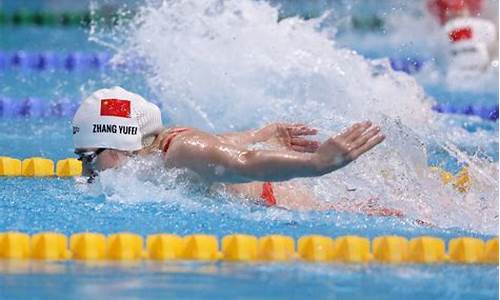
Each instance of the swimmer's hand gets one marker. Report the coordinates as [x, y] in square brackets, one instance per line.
[290, 136]
[338, 151]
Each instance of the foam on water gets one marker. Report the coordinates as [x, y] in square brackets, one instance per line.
[229, 65]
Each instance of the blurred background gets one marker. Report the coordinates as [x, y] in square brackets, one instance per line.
[414, 67]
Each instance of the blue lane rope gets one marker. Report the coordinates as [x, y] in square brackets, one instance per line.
[98, 61]
[410, 65]
[42, 61]
[487, 112]
[36, 107]
[80, 61]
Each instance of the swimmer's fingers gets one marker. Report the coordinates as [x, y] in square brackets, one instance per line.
[348, 131]
[365, 137]
[303, 145]
[374, 141]
[357, 131]
[305, 142]
[301, 129]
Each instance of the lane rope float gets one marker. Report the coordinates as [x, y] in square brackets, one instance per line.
[65, 19]
[127, 246]
[487, 112]
[70, 167]
[47, 60]
[113, 17]
[98, 61]
[36, 107]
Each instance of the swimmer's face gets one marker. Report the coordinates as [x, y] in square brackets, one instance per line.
[94, 160]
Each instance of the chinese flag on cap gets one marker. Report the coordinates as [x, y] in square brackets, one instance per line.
[115, 107]
[459, 34]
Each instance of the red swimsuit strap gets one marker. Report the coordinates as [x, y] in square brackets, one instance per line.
[268, 194]
[171, 135]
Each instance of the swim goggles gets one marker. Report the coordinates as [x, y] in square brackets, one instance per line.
[88, 159]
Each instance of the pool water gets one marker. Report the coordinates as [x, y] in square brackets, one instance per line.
[206, 81]
[243, 281]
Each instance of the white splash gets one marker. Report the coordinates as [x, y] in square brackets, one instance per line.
[228, 65]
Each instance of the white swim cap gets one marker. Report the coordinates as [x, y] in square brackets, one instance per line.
[117, 119]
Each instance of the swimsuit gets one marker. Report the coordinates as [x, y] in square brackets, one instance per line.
[268, 194]
[171, 135]
[267, 188]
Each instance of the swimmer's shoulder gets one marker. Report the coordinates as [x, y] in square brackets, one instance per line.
[182, 132]
[175, 137]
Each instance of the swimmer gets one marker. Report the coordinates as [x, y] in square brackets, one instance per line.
[113, 125]
[472, 40]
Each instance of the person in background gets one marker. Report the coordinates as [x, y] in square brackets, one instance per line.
[472, 40]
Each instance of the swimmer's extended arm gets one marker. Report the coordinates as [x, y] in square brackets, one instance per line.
[242, 138]
[216, 160]
[289, 136]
